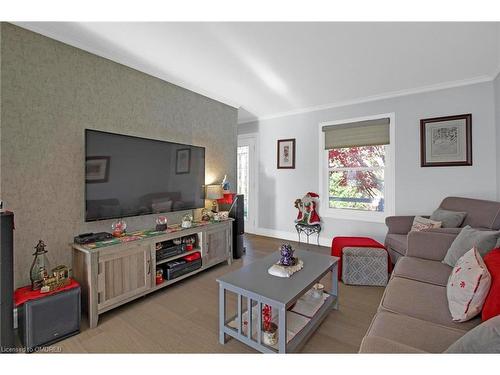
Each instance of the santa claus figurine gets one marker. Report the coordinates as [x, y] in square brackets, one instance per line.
[307, 210]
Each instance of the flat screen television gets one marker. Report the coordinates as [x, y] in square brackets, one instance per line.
[131, 176]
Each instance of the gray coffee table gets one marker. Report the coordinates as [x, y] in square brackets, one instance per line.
[253, 283]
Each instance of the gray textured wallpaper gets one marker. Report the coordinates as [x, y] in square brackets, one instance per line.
[51, 92]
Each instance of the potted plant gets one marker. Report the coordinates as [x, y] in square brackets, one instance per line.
[269, 328]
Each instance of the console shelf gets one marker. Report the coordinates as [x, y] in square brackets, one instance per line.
[170, 282]
[117, 273]
[174, 257]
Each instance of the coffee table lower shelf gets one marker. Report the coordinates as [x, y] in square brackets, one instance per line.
[303, 327]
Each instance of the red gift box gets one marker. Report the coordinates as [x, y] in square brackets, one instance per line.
[192, 257]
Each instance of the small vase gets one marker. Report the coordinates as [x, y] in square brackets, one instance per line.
[270, 336]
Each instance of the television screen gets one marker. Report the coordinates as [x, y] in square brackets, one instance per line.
[131, 176]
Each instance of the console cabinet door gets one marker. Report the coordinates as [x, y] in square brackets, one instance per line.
[123, 274]
[217, 245]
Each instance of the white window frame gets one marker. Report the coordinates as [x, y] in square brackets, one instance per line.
[389, 185]
[252, 227]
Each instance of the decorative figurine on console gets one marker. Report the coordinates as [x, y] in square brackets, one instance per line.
[161, 223]
[119, 228]
[187, 221]
[206, 215]
[38, 270]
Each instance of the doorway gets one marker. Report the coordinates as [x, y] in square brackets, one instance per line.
[247, 185]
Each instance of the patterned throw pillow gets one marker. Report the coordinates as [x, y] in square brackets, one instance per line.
[421, 223]
[468, 286]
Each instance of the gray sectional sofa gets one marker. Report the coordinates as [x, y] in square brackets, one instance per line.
[413, 316]
[480, 214]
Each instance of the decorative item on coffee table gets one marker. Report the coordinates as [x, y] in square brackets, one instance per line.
[269, 328]
[287, 265]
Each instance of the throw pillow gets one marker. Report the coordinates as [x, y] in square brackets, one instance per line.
[420, 223]
[468, 286]
[485, 338]
[483, 240]
[449, 219]
[491, 307]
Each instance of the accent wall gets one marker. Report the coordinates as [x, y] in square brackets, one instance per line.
[50, 93]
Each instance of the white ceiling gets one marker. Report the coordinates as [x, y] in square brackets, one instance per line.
[270, 69]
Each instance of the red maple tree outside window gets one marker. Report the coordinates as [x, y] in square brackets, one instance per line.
[356, 178]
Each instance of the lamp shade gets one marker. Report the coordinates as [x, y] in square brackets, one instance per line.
[214, 192]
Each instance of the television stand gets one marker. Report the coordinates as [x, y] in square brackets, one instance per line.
[112, 273]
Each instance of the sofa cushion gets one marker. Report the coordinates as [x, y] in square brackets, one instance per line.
[413, 332]
[422, 301]
[483, 240]
[375, 344]
[421, 223]
[485, 338]
[468, 286]
[397, 242]
[448, 219]
[428, 271]
[480, 213]
[491, 307]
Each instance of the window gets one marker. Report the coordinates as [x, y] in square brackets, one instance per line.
[356, 176]
[243, 176]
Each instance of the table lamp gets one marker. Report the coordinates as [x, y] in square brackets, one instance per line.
[214, 192]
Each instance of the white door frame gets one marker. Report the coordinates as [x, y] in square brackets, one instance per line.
[251, 140]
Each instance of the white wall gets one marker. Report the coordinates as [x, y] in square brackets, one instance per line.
[418, 190]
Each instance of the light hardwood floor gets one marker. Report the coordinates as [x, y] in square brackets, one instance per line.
[183, 318]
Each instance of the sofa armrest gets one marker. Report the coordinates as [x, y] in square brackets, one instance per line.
[429, 245]
[399, 224]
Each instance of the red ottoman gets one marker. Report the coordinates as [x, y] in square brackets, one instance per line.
[339, 243]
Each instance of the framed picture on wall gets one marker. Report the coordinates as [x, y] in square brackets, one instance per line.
[446, 141]
[97, 169]
[183, 161]
[286, 154]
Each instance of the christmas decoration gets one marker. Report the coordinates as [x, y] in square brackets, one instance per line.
[287, 258]
[119, 228]
[307, 209]
[39, 267]
[270, 329]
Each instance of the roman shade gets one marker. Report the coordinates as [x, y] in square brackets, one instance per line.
[356, 134]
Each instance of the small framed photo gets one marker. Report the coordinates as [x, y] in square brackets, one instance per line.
[446, 141]
[286, 154]
[96, 169]
[183, 161]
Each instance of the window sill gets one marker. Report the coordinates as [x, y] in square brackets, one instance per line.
[347, 214]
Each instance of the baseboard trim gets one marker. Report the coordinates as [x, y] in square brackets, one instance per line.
[291, 236]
